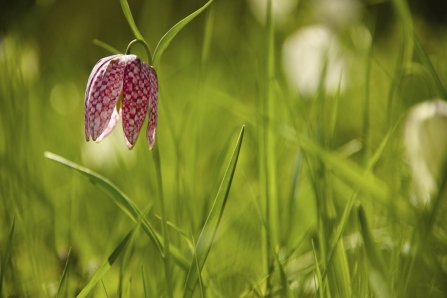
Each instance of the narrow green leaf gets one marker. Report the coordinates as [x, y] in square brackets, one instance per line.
[207, 36]
[106, 47]
[343, 276]
[285, 289]
[105, 266]
[145, 285]
[320, 289]
[426, 61]
[366, 181]
[202, 292]
[7, 254]
[167, 38]
[367, 139]
[206, 237]
[123, 202]
[270, 134]
[128, 14]
[377, 272]
[405, 19]
[191, 245]
[104, 289]
[63, 285]
[376, 156]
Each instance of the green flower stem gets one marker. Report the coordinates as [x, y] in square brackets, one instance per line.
[164, 224]
[146, 47]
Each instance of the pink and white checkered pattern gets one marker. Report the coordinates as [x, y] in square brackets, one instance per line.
[121, 86]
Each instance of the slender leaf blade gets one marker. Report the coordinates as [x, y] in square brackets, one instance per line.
[123, 202]
[206, 237]
[104, 289]
[7, 254]
[285, 289]
[319, 289]
[105, 266]
[169, 36]
[63, 285]
[128, 14]
[377, 271]
[426, 61]
[145, 285]
[351, 173]
[106, 47]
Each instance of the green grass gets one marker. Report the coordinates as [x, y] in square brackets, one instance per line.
[312, 198]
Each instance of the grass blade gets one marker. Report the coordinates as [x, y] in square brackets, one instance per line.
[377, 272]
[270, 135]
[128, 14]
[366, 181]
[202, 293]
[104, 289]
[145, 285]
[426, 61]
[63, 286]
[319, 289]
[106, 47]
[285, 289]
[7, 254]
[212, 222]
[167, 38]
[105, 266]
[123, 202]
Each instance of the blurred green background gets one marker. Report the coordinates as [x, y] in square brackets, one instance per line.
[346, 73]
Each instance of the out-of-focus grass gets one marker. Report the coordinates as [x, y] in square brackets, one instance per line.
[331, 165]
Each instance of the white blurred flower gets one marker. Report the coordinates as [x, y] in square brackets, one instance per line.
[306, 52]
[280, 9]
[426, 143]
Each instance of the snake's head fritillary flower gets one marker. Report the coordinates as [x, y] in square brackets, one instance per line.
[121, 86]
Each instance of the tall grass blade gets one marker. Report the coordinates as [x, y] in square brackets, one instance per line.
[182, 233]
[426, 61]
[104, 289]
[367, 138]
[335, 239]
[377, 271]
[202, 291]
[123, 202]
[105, 266]
[128, 14]
[285, 289]
[212, 223]
[63, 285]
[6, 254]
[320, 286]
[169, 36]
[404, 17]
[145, 285]
[270, 112]
[106, 47]
[367, 182]
[207, 37]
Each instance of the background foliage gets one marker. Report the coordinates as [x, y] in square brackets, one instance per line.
[320, 201]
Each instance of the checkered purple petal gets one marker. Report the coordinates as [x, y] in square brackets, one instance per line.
[135, 98]
[153, 102]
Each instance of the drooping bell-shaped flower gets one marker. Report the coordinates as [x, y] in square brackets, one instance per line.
[121, 86]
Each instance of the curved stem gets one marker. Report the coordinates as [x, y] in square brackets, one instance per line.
[146, 47]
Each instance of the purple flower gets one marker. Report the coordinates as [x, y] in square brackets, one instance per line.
[121, 86]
